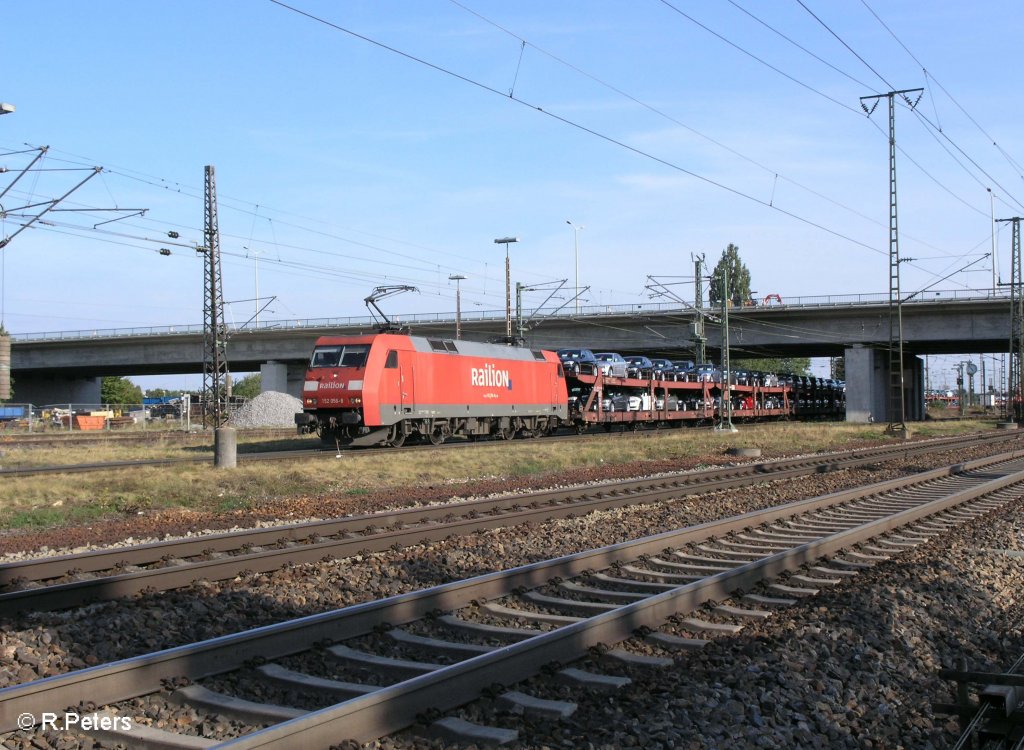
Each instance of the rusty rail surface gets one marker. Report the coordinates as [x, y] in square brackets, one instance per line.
[223, 556]
[818, 527]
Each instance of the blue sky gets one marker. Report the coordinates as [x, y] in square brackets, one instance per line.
[345, 165]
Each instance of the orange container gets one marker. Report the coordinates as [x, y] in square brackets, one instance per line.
[89, 423]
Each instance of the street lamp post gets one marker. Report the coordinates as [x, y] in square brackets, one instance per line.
[457, 277]
[576, 250]
[506, 241]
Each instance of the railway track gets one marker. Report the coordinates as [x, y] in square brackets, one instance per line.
[244, 456]
[64, 439]
[378, 667]
[72, 580]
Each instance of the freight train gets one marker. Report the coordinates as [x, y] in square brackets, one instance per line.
[385, 388]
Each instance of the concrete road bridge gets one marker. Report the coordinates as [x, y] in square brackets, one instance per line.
[67, 365]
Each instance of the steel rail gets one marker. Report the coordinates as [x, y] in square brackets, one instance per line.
[136, 676]
[27, 471]
[63, 437]
[417, 525]
[322, 452]
[36, 569]
[395, 707]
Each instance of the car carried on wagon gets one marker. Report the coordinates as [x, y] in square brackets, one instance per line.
[578, 361]
[611, 364]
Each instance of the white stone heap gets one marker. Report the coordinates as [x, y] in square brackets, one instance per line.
[269, 409]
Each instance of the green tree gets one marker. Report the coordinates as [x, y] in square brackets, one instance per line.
[778, 365]
[248, 387]
[839, 368]
[120, 390]
[739, 278]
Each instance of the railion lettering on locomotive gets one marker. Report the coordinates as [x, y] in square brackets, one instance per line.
[489, 376]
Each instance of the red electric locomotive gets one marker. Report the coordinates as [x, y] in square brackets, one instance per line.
[380, 389]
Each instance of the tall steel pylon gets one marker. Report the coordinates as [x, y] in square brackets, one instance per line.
[725, 411]
[215, 356]
[1015, 386]
[699, 339]
[897, 398]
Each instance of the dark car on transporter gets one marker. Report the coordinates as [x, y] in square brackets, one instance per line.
[578, 361]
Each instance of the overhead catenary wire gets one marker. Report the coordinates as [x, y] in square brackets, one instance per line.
[704, 136]
[919, 114]
[879, 129]
[257, 209]
[908, 156]
[1012, 162]
[578, 126]
[768, 204]
[243, 206]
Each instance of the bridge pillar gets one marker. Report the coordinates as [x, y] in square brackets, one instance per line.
[283, 377]
[867, 386]
[42, 390]
[274, 377]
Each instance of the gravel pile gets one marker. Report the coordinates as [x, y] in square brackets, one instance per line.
[269, 409]
[854, 667]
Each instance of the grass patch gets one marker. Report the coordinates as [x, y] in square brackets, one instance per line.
[49, 516]
[229, 504]
[105, 448]
[42, 502]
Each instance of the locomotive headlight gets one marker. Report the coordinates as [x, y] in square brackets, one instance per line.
[356, 400]
[310, 402]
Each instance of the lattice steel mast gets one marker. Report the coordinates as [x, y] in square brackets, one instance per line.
[725, 410]
[897, 398]
[699, 339]
[1015, 387]
[215, 357]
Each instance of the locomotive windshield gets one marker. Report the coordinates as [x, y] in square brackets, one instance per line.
[351, 355]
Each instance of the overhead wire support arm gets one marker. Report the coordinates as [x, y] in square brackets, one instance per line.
[42, 152]
[6, 240]
[255, 315]
[659, 288]
[662, 288]
[947, 276]
[554, 287]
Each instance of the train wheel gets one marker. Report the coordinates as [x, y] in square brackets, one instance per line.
[329, 440]
[396, 437]
[506, 433]
[436, 437]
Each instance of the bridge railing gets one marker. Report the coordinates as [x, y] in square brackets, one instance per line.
[769, 301]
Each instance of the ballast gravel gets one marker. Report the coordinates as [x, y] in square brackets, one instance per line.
[852, 667]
